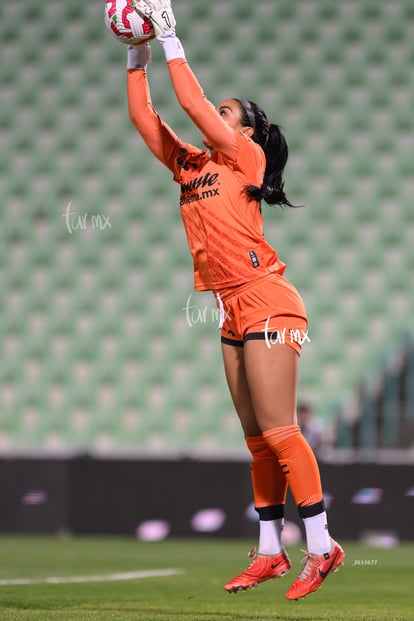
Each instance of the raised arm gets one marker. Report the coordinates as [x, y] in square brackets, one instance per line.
[157, 135]
[201, 111]
[187, 89]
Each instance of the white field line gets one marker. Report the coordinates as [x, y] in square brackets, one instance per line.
[127, 575]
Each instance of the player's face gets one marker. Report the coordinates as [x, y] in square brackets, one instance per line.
[230, 111]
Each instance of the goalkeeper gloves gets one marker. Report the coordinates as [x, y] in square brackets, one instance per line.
[138, 56]
[162, 18]
[159, 12]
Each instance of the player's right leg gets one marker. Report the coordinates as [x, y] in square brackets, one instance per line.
[269, 483]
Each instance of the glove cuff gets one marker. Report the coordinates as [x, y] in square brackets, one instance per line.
[171, 45]
[138, 56]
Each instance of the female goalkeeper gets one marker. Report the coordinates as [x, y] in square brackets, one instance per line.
[263, 317]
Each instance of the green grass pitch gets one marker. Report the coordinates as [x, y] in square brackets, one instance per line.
[374, 584]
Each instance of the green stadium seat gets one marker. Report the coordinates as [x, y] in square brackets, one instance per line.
[98, 351]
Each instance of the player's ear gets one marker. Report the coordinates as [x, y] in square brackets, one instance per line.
[247, 131]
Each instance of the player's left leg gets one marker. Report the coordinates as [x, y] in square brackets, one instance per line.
[272, 379]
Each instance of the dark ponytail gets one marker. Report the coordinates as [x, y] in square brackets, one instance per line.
[270, 137]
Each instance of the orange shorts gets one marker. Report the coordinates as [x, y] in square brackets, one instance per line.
[268, 309]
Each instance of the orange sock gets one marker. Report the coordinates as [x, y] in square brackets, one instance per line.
[269, 482]
[299, 465]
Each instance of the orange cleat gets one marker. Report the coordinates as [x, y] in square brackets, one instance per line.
[315, 570]
[260, 569]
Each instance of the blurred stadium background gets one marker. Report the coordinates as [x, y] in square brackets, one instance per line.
[105, 347]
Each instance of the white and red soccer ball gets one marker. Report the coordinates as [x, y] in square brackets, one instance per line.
[125, 24]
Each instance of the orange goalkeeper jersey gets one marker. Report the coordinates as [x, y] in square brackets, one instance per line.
[224, 226]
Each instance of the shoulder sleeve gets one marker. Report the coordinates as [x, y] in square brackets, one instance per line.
[188, 157]
[250, 160]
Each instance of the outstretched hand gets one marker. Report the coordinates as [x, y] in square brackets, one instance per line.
[160, 13]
